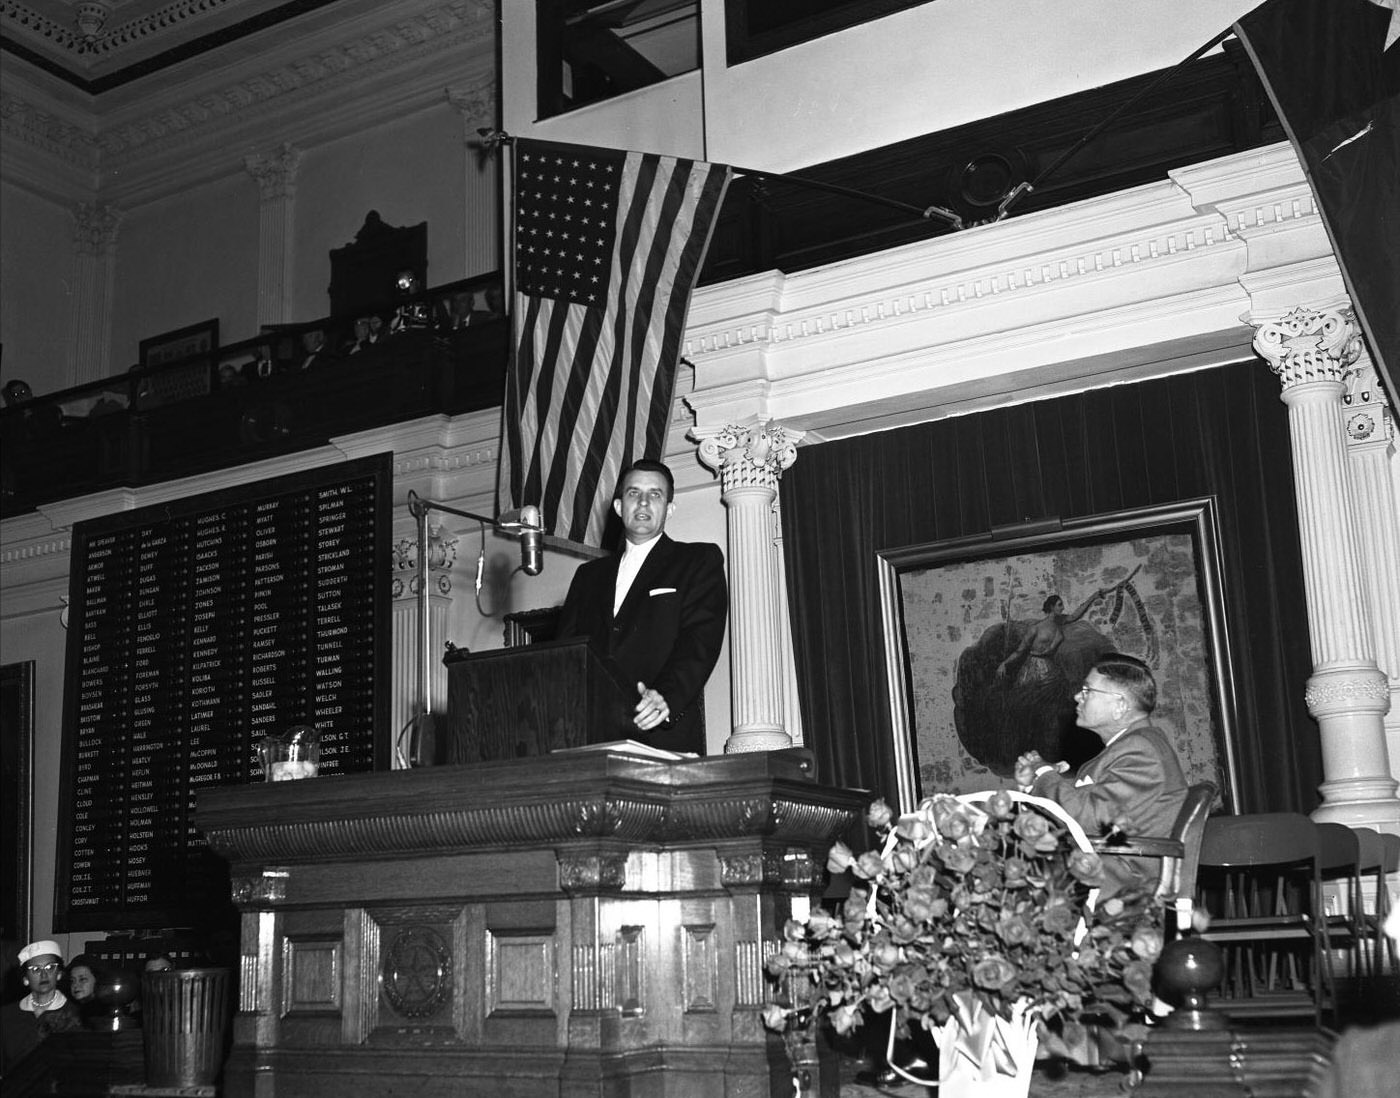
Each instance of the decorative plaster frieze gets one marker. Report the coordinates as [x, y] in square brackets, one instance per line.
[28, 123]
[89, 35]
[444, 27]
[57, 545]
[263, 890]
[1145, 252]
[1337, 690]
[95, 228]
[443, 461]
[61, 34]
[586, 872]
[1284, 207]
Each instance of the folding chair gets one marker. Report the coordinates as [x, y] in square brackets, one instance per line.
[1260, 880]
[1370, 866]
[1380, 858]
[1180, 852]
[1339, 863]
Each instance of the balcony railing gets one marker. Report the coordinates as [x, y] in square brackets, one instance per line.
[260, 398]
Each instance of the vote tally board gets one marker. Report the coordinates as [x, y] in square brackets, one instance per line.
[195, 629]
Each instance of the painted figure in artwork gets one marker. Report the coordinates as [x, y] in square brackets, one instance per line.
[1032, 660]
[1014, 685]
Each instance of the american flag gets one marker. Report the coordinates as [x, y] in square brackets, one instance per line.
[607, 248]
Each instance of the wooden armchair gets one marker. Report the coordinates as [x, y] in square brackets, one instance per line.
[1180, 852]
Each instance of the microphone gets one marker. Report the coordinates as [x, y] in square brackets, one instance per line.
[531, 540]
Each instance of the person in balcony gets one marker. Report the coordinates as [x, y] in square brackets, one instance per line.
[313, 347]
[367, 332]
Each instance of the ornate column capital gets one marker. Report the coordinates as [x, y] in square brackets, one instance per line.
[476, 105]
[748, 456]
[276, 171]
[442, 555]
[1308, 345]
[95, 228]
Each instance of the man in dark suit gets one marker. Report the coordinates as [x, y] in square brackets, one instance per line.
[656, 611]
[1135, 783]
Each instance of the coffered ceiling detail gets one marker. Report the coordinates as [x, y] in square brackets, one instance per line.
[93, 38]
[173, 122]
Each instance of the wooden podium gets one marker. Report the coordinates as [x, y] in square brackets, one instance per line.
[532, 699]
[582, 925]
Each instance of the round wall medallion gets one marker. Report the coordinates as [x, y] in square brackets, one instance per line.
[417, 972]
[1361, 426]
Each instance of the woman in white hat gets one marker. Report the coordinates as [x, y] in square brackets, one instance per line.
[43, 1011]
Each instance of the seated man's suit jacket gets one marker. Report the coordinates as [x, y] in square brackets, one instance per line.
[1136, 780]
[667, 632]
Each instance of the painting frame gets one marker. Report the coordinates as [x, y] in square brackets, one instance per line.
[1136, 532]
[180, 344]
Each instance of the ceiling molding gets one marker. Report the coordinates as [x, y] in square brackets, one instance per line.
[96, 46]
[1137, 284]
[195, 124]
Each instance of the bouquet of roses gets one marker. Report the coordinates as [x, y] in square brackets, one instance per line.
[968, 908]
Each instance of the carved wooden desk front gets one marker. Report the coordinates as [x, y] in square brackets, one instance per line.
[586, 924]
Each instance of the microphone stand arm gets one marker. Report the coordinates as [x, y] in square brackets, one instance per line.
[419, 507]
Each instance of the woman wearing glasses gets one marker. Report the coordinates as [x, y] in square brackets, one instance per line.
[43, 1011]
[1135, 783]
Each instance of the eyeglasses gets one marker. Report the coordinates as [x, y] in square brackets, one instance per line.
[1095, 690]
[52, 966]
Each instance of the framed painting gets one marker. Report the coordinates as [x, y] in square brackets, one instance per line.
[987, 639]
[182, 343]
[16, 787]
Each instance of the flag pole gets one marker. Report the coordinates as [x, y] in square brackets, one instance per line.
[925, 212]
[499, 137]
[494, 139]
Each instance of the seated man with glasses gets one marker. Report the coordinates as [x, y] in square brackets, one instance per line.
[1134, 784]
[43, 1011]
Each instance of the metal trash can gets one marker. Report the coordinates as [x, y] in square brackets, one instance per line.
[185, 1016]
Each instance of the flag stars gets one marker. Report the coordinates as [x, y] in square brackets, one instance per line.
[564, 224]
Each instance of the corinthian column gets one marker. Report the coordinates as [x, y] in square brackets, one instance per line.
[276, 173]
[95, 244]
[481, 181]
[749, 460]
[1313, 352]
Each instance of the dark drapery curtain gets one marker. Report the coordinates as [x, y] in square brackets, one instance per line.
[1221, 432]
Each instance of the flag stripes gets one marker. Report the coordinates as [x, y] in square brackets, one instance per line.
[608, 246]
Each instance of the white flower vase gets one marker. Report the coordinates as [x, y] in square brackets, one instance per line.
[981, 1055]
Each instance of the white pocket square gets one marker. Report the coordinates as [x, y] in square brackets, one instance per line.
[661, 591]
[1086, 780]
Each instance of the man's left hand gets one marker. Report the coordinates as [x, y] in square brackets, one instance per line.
[651, 711]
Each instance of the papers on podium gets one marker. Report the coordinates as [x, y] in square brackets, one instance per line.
[630, 747]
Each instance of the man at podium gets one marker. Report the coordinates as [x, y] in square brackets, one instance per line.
[657, 611]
